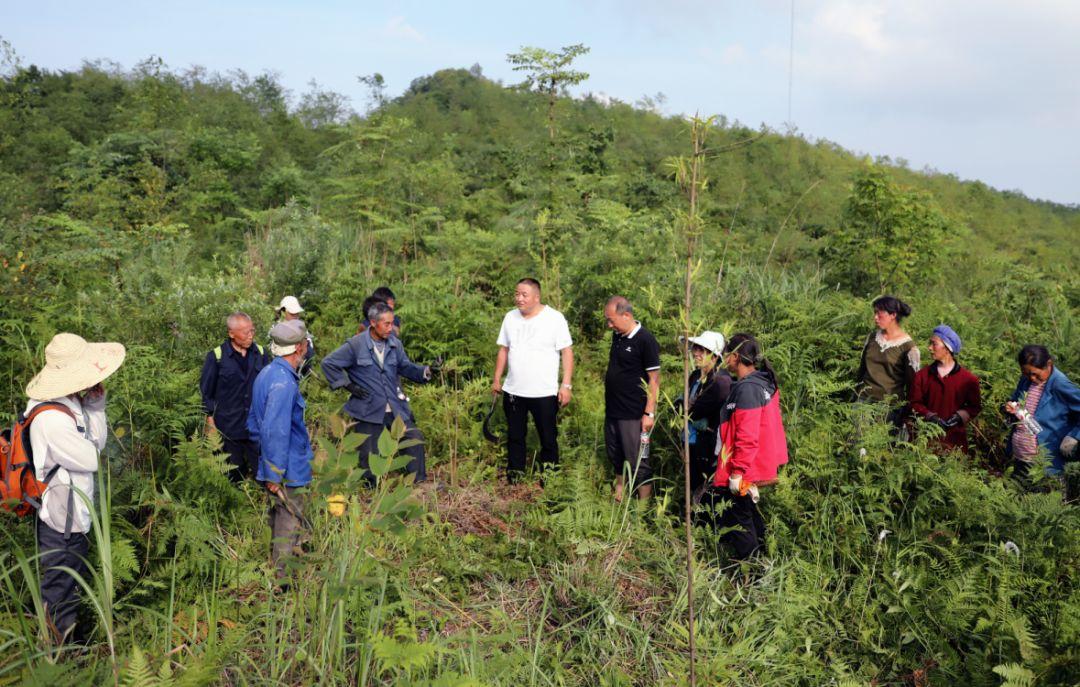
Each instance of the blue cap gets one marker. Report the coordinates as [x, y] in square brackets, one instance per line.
[948, 337]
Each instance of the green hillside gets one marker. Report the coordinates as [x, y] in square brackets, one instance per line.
[144, 206]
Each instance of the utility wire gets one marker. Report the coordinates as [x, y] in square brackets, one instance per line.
[791, 65]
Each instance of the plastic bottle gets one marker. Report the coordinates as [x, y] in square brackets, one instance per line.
[1028, 420]
[644, 447]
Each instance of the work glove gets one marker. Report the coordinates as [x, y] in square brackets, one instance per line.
[734, 483]
[1068, 448]
[436, 365]
[954, 421]
[936, 419]
[357, 390]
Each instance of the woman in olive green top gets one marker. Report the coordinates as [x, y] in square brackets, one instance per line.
[890, 358]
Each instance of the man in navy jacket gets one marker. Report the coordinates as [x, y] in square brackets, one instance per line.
[370, 365]
[227, 376]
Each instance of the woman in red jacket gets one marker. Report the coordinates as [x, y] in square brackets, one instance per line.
[945, 393]
[751, 446]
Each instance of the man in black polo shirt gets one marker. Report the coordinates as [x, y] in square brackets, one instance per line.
[228, 374]
[630, 410]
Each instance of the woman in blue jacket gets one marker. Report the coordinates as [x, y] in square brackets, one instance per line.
[1047, 395]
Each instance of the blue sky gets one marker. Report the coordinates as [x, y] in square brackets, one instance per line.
[985, 90]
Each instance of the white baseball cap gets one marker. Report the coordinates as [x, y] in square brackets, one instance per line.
[290, 305]
[710, 341]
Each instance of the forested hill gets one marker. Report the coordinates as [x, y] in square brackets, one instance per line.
[152, 146]
[460, 167]
[144, 206]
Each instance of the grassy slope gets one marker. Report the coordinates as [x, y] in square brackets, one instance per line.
[558, 586]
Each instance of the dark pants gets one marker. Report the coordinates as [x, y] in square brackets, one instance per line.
[740, 512]
[286, 529]
[702, 459]
[243, 456]
[622, 441]
[416, 467]
[543, 411]
[59, 590]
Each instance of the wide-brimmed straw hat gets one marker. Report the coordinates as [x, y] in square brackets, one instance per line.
[73, 364]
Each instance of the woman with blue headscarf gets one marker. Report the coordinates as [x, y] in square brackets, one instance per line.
[944, 393]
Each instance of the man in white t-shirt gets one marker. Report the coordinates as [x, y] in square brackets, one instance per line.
[533, 339]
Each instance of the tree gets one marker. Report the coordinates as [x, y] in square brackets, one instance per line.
[376, 85]
[889, 238]
[9, 60]
[550, 73]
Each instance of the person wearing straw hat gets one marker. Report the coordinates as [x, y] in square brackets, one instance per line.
[65, 450]
[276, 423]
[228, 373]
[631, 389]
[709, 385]
[289, 309]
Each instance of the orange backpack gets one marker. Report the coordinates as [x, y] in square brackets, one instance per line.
[20, 489]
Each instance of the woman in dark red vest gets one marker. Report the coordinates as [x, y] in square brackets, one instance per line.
[945, 393]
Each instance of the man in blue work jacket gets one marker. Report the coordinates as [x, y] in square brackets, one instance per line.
[370, 365]
[276, 421]
[227, 375]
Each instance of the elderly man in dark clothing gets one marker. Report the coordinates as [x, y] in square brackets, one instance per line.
[370, 366]
[228, 374]
[631, 390]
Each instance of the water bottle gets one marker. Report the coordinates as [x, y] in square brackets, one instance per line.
[1030, 423]
[643, 447]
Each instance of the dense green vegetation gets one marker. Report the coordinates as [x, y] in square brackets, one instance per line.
[144, 206]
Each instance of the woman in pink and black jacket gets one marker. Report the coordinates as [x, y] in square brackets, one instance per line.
[751, 444]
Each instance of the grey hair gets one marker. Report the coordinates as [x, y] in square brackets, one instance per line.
[236, 317]
[622, 306]
[379, 308]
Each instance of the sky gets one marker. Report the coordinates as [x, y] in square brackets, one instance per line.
[985, 89]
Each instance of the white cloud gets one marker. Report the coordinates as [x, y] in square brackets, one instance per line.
[733, 54]
[861, 23]
[398, 28]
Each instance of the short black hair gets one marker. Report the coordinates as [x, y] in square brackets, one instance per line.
[893, 306]
[383, 293]
[1034, 355]
[368, 302]
[530, 281]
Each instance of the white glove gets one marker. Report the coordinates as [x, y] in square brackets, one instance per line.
[734, 482]
[1068, 448]
[755, 495]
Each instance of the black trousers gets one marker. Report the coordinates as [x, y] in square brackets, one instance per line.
[243, 456]
[702, 459]
[543, 411]
[739, 512]
[59, 590]
[417, 467]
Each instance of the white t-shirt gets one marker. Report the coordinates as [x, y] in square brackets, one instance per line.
[534, 345]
